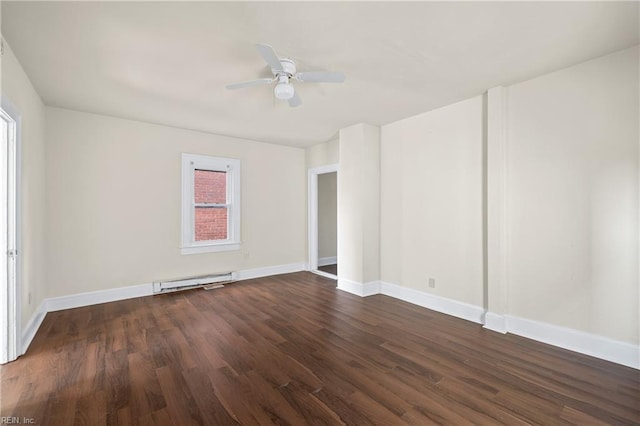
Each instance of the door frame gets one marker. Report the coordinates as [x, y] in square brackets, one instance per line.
[10, 297]
[313, 215]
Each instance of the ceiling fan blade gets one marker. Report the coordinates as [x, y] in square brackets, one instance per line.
[321, 77]
[295, 100]
[270, 57]
[250, 83]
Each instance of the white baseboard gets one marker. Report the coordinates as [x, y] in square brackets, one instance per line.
[359, 289]
[575, 340]
[495, 322]
[349, 286]
[588, 344]
[431, 301]
[29, 331]
[95, 297]
[426, 300]
[324, 274]
[324, 261]
[267, 271]
[370, 288]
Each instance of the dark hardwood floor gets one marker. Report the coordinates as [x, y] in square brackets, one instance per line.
[292, 349]
[329, 269]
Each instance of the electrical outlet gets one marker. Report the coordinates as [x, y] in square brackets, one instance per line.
[245, 255]
[432, 283]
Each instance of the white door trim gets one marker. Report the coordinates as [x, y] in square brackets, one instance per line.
[313, 211]
[10, 347]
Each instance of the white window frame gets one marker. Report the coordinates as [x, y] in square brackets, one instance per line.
[191, 163]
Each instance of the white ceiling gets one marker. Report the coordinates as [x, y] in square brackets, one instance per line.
[168, 62]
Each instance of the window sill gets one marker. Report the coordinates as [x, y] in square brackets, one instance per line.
[210, 248]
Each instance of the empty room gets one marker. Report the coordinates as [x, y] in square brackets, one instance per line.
[322, 212]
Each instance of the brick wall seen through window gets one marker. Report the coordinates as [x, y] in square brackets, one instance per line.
[210, 187]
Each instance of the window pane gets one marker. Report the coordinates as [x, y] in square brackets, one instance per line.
[211, 223]
[210, 187]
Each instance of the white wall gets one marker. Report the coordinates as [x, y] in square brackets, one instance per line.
[113, 215]
[359, 205]
[572, 197]
[327, 215]
[571, 176]
[431, 205]
[18, 90]
[323, 154]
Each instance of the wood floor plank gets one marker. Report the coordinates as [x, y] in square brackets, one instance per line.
[309, 407]
[91, 409]
[146, 393]
[237, 396]
[212, 409]
[124, 417]
[118, 385]
[292, 349]
[342, 407]
[181, 406]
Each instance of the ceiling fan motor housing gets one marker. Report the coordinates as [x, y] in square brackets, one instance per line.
[288, 66]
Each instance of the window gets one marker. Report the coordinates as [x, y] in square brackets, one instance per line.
[210, 204]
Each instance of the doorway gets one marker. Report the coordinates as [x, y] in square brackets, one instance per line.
[8, 239]
[323, 221]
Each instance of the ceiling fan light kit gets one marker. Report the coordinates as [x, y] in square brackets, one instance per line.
[284, 70]
[284, 91]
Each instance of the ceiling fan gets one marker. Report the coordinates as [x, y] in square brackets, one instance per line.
[284, 70]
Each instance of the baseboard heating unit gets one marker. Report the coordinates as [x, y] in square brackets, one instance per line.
[193, 282]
